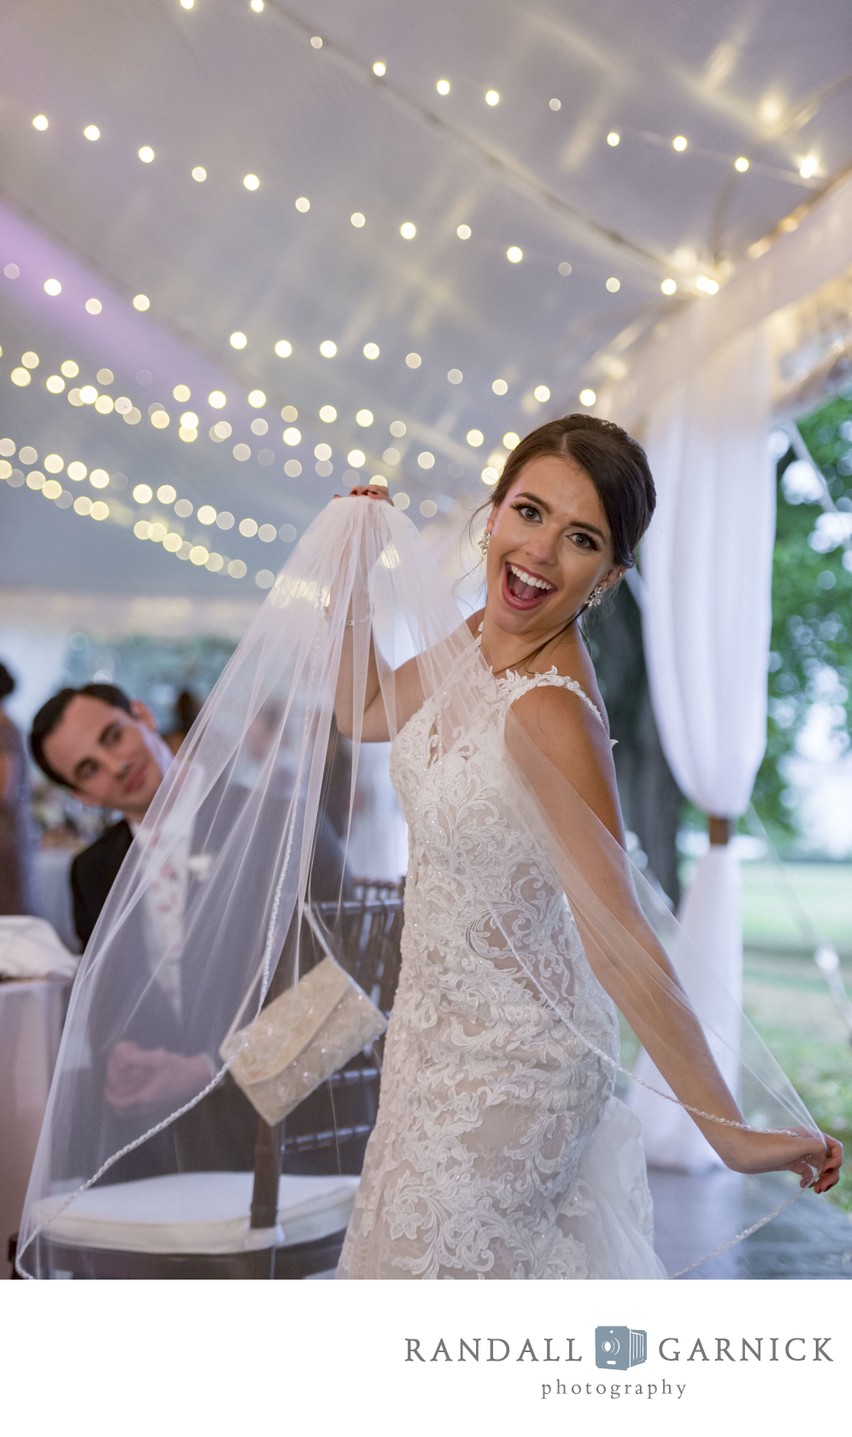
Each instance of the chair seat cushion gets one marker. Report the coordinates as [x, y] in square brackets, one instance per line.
[199, 1213]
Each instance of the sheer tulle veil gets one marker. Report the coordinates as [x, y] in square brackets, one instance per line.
[248, 815]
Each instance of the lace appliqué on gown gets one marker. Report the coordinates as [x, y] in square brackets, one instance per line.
[499, 1150]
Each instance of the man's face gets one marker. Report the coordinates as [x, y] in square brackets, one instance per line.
[110, 758]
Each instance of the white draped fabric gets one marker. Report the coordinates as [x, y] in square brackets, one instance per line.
[708, 570]
[701, 391]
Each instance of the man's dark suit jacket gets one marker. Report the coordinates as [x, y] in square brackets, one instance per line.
[93, 873]
[220, 1131]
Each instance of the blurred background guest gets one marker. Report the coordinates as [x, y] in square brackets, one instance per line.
[17, 831]
[186, 711]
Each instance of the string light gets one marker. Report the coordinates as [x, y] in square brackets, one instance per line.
[237, 340]
[371, 351]
[541, 393]
[251, 182]
[587, 397]
[52, 287]
[146, 154]
[328, 349]
[408, 230]
[679, 143]
[357, 220]
[741, 164]
[40, 122]
[379, 68]
[613, 139]
[492, 97]
[199, 174]
[91, 132]
[141, 302]
[442, 86]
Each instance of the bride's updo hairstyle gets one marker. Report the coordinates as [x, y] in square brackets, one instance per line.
[615, 463]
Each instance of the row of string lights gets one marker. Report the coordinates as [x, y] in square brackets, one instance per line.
[189, 424]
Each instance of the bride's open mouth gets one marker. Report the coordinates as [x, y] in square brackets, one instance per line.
[523, 589]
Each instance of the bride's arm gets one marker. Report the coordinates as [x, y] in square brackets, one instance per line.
[564, 752]
[375, 723]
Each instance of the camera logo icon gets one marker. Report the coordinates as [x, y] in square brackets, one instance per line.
[620, 1347]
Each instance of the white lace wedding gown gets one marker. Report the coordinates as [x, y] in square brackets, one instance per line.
[499, 1150]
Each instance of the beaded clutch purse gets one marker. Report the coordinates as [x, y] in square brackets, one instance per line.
[301, 1038]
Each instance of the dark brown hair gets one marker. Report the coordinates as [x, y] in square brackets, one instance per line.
[50, 714]
[615, 463]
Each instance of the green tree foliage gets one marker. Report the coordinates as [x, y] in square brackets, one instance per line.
[811, 652]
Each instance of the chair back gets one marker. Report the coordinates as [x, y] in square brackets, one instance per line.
[327, 1134]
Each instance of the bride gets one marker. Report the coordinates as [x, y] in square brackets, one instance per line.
[500, 1150]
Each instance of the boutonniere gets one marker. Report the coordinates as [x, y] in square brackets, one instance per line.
[199, 865]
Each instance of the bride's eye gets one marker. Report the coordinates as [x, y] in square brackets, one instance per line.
[526, 511]
[583, 541]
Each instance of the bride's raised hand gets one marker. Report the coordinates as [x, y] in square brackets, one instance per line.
[815, 1157]
[368, 491]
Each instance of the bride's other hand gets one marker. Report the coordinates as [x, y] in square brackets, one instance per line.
[815, 1157]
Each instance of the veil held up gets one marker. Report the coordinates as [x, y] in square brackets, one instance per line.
[245, 812]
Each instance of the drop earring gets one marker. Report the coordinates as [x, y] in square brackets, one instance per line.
[483, 541]
[595, 596]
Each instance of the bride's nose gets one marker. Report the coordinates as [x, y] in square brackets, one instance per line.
[541, 546]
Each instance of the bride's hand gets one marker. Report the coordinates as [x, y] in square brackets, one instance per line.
[816, 1157]
[368, 491]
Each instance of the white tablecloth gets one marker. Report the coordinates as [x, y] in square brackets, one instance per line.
[53, 892]
[31, 1015]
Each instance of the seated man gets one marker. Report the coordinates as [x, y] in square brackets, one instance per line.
[104, 747]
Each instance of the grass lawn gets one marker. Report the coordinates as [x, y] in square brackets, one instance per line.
[788, 1002]
[787, 998]
[782, 907]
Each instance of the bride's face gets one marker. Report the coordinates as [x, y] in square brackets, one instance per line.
[550, 545]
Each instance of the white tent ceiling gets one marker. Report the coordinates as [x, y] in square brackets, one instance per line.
[288, 93]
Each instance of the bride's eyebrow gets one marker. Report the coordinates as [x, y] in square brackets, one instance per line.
[572, 523]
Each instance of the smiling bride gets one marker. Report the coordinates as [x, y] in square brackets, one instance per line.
[500, 1150]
